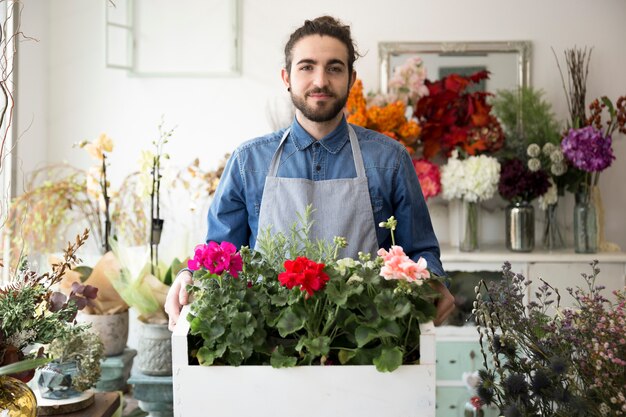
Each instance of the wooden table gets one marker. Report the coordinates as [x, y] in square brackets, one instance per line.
[105, 405]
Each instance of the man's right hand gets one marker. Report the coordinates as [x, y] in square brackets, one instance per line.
[177, 297]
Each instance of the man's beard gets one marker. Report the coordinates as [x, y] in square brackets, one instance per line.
[320, 114]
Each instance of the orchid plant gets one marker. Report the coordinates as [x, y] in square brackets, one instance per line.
[293, 302]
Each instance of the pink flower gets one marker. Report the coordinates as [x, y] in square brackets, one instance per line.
[397, 265]
[217, 258]
[429, 177]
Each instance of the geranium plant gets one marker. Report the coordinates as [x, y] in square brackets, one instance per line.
[543, 359]
[294, 303]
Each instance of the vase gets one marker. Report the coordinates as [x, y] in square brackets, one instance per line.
[552, 238]
[520, 227]
[469, 226]
[16, 398]
[585, 224]
[55, 380]
[154, 352]
[111, 328]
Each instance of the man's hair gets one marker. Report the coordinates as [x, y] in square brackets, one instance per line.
[323, 26]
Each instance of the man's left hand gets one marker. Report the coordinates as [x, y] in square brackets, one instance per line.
[445, 304]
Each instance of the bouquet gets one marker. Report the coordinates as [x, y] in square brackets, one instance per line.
[33, 313]
[294, 303]
[452, 117]
[519, 184]
[548, 360]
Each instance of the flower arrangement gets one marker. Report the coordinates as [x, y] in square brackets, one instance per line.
[452, 117]
[519, 184]
[294, 303]
[548, 360]
[32, 312]
[389, 119]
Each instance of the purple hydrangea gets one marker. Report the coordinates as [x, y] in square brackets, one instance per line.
[588, 149]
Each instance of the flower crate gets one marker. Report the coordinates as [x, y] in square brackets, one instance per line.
[302, 391]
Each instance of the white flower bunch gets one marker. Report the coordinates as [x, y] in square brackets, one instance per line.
[550, 197]
[472, 179]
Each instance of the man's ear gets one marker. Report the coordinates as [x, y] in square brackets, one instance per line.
[352, 79]
[284, 74]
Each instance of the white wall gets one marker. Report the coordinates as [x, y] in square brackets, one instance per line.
[72, 96]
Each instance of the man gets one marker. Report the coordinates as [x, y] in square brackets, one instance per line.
[354, 177]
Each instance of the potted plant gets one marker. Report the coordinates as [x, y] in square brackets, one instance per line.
[293, 304]
[76, 364]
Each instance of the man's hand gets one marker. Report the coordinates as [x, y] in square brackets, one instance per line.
[445, 304]
[177, 297]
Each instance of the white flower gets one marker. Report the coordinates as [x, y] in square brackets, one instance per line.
[534, 164]
[471, 380]
[548, 148]
[354, 278]
[558, 169]
[533, 150]
[343, 265]
[557, 156]
[473, 179]
[550, 197]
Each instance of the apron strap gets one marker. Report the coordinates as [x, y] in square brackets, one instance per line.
[354, 144]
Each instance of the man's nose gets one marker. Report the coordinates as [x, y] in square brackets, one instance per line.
[320, 78]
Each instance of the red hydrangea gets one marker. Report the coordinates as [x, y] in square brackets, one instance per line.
[304, 273]
[217, 258]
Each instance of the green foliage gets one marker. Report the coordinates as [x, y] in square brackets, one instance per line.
[526, 118]
[80, 345]
[357, 318]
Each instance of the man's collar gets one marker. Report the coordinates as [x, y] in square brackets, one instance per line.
[332, 142]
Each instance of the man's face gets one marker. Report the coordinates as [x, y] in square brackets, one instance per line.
[319, 78]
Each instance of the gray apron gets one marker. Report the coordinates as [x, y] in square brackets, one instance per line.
[342, 207]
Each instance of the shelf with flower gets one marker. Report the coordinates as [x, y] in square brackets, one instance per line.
[543, 359]
[519, 185]
[294, 303]
[470, 180]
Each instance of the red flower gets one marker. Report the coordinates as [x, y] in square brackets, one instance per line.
[217, 258]
[476, 402]
[305, 273]
[453, 117]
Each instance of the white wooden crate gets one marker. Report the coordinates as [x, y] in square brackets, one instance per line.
[304, 391]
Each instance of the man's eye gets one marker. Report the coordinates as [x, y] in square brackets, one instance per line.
[306, 68]
[335, 69]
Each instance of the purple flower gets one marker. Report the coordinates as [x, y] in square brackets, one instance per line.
[517, 183]
[588, 149]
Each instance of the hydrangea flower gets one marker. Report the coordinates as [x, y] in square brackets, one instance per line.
[472, 179]
[588, 149]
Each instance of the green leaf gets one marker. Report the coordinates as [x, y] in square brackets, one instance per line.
[390, 306]
[25, 365]
[364, 335]
[318, 346]
[346, 355]
[244, 323]
[84, 271]
[280, 360]
[390, 359]
[279, 299]
[291, 320]
[206, 356]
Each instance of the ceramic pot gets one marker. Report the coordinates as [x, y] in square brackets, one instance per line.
[111, 328]
[154, 353]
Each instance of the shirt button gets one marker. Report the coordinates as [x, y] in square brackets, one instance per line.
[318, 167]
[316, 144]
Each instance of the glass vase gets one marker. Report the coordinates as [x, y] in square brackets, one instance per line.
[520, 227]
[585, 224]
[469, 226]
[16, 398]
[552, 238]
[55, 380]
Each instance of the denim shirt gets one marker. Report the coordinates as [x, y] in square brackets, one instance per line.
[393, 186]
